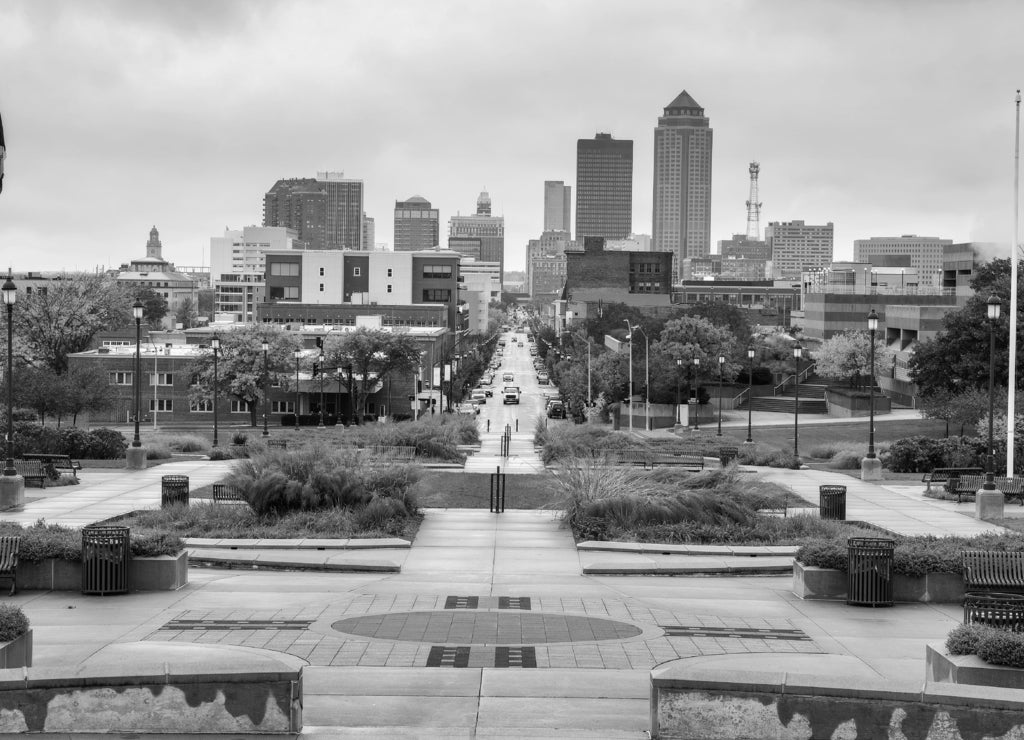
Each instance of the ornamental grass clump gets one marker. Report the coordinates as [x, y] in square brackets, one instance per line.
[13, 622]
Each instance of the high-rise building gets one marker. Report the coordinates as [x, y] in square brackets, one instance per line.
[557, 206]
[682, 181]
[298, 204]
[796, 246]
[743, 247]
[464, 231]
[924, 253]
[326, 213]
[238, 268]
[369, 232]
[604, 187]
[416, 225]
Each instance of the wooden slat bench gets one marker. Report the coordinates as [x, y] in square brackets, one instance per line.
[58, 463]
[9, 546]
[281, 444]
[382, 454]
[993, 570]
[223, 493]
[691, 459]
[968, 485]
[31, 471]
[944, 475]
[639, 458]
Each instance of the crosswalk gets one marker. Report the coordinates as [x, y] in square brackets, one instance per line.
[522, 457]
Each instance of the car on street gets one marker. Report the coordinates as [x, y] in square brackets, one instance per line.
[543, 379]
[556, 410]
[478, 396]
[467, 408]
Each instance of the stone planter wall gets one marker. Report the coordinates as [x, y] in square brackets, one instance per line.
[810, 582]
[968, 670]
[164, 573]
[842, 405]
[17, 653]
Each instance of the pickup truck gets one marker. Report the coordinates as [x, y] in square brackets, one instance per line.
[510, 394]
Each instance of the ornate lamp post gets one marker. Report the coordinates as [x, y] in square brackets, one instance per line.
[871, 466]
[266, 380]
[12, 486]
[679, 383]
[297, 354]
[351, 405]
[750, 392]
[215, 343]
[721, 363]
[696, 396]
[993, 307]
[798, 352]
[320, 359]
[135, 456]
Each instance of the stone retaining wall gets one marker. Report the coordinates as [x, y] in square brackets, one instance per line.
[747, 705]
[161, 573]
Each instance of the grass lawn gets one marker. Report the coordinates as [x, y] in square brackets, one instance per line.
[440, 489]
[781, 436]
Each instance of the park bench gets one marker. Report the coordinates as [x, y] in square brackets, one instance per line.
[993, 570]
[381, 454]
[944, 475]
[9, 545]
[223, 493]
[968, 485]
[59, 464]
[281, 444]
[31, 471]
[624, 457]
[691, 459]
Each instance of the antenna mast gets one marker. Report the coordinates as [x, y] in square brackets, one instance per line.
[753, 206]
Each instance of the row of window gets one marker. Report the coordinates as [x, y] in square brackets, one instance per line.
[291, 269]
[204, 407]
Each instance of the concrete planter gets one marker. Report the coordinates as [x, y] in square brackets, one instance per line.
[846, 403]
[810, 582]
[968, 670]
[163, 573]
[18, 652]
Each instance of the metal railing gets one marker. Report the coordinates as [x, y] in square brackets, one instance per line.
[788, 380]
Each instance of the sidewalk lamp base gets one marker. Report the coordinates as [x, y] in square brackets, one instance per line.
[12, 493]
[988, 505]
[870, 468]
[135, 458]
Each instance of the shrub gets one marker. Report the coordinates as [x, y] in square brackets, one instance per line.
[150, 544]
[964, 639]
[218, 453]
[105, 444]
[385, 515]
[239, 438]
[1000, 647]
[158, 452]
[180, 442]
[13, 622]
[73, 441]
[42, 541]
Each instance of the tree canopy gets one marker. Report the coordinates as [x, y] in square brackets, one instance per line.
[374, 355]
[847, 356]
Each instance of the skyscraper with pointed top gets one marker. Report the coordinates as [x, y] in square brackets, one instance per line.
[682, 182]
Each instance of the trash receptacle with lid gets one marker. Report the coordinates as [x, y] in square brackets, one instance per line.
[869, 571]
[105, 554]
[173, 490]
[832, 502]
[727, 454]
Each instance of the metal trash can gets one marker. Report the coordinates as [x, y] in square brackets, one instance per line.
[173, 490]
[869, 571]
[727, 454]
[832, 502]
[105, 553]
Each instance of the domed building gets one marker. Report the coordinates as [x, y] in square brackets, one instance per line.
[153, 271]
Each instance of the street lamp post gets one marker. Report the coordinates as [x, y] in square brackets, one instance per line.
[135, 456]
[12, 485]
[320, 359]
[215, 343]
[266, 387]
[798, 352]
[721, 363]
[696, 395]
[590, 351]
[297, 354]
[351, 405]
[629, 338]
[871, 466]
[647, 378]
[989, 500]
[750, 392]
[679, 392]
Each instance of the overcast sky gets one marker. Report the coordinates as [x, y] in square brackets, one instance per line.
[883, 117]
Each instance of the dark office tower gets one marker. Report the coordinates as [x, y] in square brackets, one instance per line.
[682, 182]
[604, 187]
[299, 204]
[557, 206]
[344, 211]
[416, 225]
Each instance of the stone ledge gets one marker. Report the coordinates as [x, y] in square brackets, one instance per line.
[161, 573]
[355, 543]
[648, 548]
[810, 582]
[968, 670]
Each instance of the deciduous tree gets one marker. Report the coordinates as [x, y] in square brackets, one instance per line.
[374, 355]
[847, 356]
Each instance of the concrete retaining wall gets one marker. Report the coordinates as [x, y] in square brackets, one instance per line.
[706, 704]
[810, 582]
[162, 573]
[155, 699]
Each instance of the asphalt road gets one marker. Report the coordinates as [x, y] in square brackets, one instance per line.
[518, 361]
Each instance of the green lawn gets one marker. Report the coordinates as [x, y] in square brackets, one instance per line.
[781, 436]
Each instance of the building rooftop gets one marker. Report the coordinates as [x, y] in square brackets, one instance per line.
[683, 100]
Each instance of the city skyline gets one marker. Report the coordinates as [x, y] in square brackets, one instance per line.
[883, 118]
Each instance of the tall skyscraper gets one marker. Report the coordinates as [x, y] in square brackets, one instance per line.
[796, 246]
[557, 206]
[682, 181]
[604, 187]
[463, 231]
[326, 213]
[369, 233]
[416, 225]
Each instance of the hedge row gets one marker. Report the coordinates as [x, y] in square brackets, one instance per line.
[97, 444]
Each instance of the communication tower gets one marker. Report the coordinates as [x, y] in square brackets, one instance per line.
[753, 206]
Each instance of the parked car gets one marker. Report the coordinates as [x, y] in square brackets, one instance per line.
[556, 410]
[467, 408]
[478, 396]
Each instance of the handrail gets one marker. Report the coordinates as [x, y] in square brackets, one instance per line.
[782, 385]
[737, 400]
[788, 380]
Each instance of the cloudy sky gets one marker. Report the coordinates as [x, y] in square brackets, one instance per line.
[883, 117]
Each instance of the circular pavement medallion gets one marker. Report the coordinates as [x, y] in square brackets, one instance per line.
[466, 627]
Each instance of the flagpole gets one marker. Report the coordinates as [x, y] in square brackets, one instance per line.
[1011, 386]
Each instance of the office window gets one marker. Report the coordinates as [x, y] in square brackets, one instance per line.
[389, 287]
[161, 379]
[437, 272]
[391, 273]
[321, 272]
[291, 292]
[121, 378]
[285, 269]
[239, 407]
[161, 404]
[200, 407]
[282, 407]
[357, 271]
[321, 287]
[437, 295]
